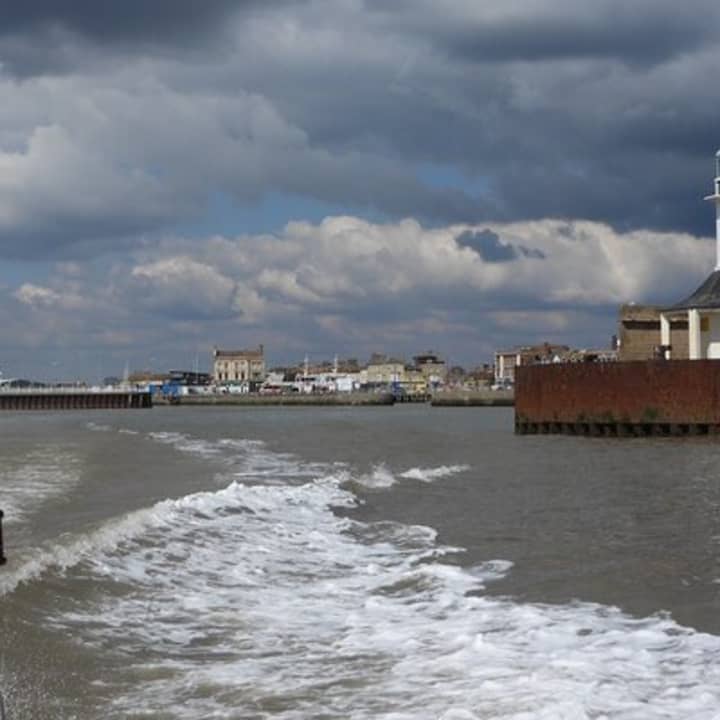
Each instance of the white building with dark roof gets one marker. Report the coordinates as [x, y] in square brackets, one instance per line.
[702, 308]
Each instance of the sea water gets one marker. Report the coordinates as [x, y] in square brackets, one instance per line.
[395, 563]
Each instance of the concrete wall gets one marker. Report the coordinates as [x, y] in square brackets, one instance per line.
[676, 391]
[473, 398]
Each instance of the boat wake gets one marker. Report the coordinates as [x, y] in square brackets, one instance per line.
[257, 599]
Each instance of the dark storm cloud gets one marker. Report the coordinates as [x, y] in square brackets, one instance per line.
[643, 31]
[125, 20]
[540, 109]
[565, 109]
[55, 36]
[646, 39]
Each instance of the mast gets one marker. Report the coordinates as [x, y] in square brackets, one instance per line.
[715, 197]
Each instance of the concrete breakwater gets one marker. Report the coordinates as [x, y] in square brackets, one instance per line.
[653, 398]
[474, 398]
[73, 399]
[336, 399]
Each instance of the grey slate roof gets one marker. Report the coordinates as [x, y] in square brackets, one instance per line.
[706, 297]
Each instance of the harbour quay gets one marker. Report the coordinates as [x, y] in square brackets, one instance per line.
[73, 399]
[355, 399]
[652, 398]
[476, 398]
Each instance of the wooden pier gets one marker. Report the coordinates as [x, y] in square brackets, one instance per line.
[73, 399]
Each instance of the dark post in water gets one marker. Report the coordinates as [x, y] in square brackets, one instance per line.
[3, 559]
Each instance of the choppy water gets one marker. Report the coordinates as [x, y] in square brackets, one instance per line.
[396, 563]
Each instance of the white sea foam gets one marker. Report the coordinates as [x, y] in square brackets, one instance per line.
[379, 477]
[185, 443]
[259, 601]
[42, 475]
[97, 427]
[432, 474]
[382, 477]
[69, 550]
[245, 459]
[260, 596]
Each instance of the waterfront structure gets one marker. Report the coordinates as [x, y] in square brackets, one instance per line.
[66, 398]
[382, 370]
[639, 335]
[480, 377]
[432, 368]
[664, 396]
[507, 360]
[239, 366]
[702, 308]
[416, 381]
[188, 377]
[650, 398]
[144, 379]
[505, 363]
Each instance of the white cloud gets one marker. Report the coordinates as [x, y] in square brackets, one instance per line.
[39, 297]
[181, 285]
[346, 285]
[112, 138]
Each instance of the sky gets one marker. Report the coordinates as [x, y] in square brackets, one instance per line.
[342, 177]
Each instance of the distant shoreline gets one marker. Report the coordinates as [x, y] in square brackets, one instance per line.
[478, 398]
[256, 400]
[474, 398]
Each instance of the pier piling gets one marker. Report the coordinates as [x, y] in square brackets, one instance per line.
[72, 399]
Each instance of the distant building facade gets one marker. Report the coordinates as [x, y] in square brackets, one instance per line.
[433, 369]
[239, 366]
[639, 335]
[382, 370]
[507, 360]
[505, 364]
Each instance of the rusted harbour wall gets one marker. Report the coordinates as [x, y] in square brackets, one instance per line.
[658, 397]
[73, 400]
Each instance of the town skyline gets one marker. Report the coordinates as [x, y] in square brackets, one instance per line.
[343, 178]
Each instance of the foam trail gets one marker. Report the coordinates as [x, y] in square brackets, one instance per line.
[68, 551]
[97, 427]
[380, 477]
[246, 459]
[258, 600]
[44, 475]
[432, 474]
[260, 595]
